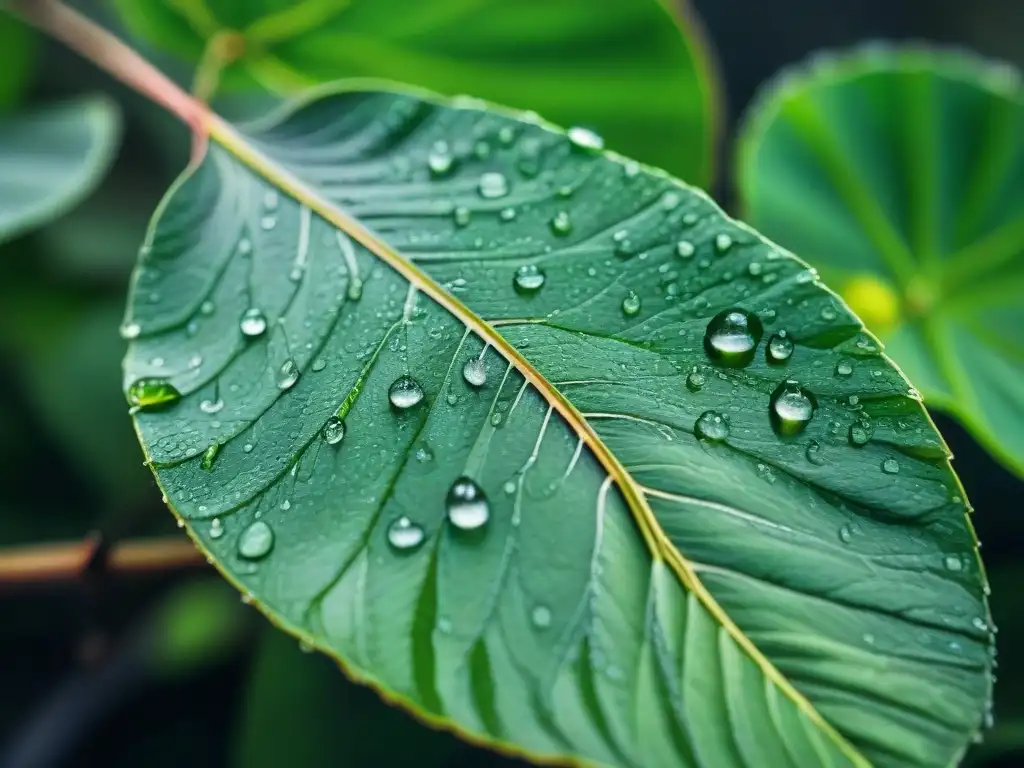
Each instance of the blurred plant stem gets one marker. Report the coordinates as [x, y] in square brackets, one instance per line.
[107, 52]
[65, 561]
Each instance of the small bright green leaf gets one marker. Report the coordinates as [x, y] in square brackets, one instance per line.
[548, 449]
[286, 722]
[18, 41]
[50, 159]
[900, 175]
[637, 71]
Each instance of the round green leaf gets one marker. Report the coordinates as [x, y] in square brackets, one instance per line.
[899, 173]
[51, 158]
[637, 71]
[545, 447]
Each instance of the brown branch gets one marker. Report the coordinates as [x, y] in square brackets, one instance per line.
[66, 561]
[106, 51]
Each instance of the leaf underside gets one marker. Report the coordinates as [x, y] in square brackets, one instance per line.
[648, 599]
[908, 164]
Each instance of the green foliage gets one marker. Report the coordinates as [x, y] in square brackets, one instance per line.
[635, 71]
[900, 175]
[680, 507]
[51, 158]
[18, 43]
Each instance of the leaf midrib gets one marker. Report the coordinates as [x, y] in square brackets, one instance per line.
[658, 544]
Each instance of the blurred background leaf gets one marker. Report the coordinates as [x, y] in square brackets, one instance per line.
[19, 44]
[899, 173]
[637, 71]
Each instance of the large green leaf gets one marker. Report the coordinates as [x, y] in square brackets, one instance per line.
[660, 557]
[51, 158]
[900, 174]
[635, 70]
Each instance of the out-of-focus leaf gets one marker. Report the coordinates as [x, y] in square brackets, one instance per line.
[899, 173]
[301, 711]
[548, 449]
[51, 158]
[634, 70]
[18, 42]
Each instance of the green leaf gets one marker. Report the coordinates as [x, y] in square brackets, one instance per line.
[18, 42]
[52, 158]
[283, 720]
[638, 72]
[899, 173]
[452, 421]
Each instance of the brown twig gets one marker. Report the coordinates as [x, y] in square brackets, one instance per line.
[106, 51]
[65, 561]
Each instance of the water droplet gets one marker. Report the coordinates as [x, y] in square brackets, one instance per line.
[685, 249]
[584, 138]
[404, 534]
[424, 454]
[319, 364]
[712, 426]
[528, 279]
[723, 242]
[828, 313]
[814, 453]
[509, 487]
[630, 304]
[474, 372]
[860, 433]
[979, 623]
[152, 393]
[211, 406]
[209, 456]
[780, 348]
[130, 331]
[845, 533]
[694, 381]
[493, 185]
[540, 616]
[270, 200]
[253, 322]
[561, 224]
[670, 199]
[256, 541]
[791, 408]
[953, 563]
[507, 214]
[245, 246]
[440, 160]
[333, 430]
[462, 216]
[268, 222]
[405, 392]
[506, 135]
[467, 505]
[287, 374]
[216, 528]
[732, 337]
[844, 368]
[890, 466]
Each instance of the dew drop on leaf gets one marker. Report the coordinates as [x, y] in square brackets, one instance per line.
[287, 374]
[712, 426]
[528, 279]
[467, 505]
[890, 466]
[695, 381]
[253, 322]
[780, 348]
[333, 430]
[152, 393]
[405, 392]
[507, 214]
[211, 406]
[256, 541]
[790, 408]
[462, 216]
[844, 368]
[732, 337]
[440, 160]
[404, 534]
[561, 224]
[685, 249]
[859, 434]
[130, 331]
[540, 616]
[475, 372]
[630, 304]
[584, 138]
[814, 453]
[723, 242]
[953, 563]
[493, 185]
[216, 528]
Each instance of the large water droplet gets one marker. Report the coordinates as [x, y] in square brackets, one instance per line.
[780, 348]
[256, 541]
[405, 392]
[528, 279]
[333, 430]
[287, 374]
[685, 249]
[130, 331]
[890, 466]
[860, 433]
[493, 185]
[216, 528]
[723, 243]
[732, 337]
[712, 426]
[253, 322]
[540, 616]
[561, 224]
[475, 372]
[467, 505]
[152, 393]
[791, 408]
[584, 138]
[844, 368]
[630, 304]
[404, 534]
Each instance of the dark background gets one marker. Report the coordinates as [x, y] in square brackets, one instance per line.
[78, 683]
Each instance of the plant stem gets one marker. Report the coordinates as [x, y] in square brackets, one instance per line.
[65, 561]
[106, 51]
